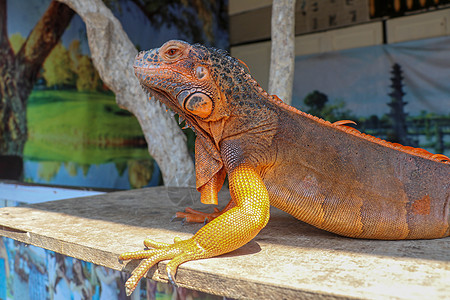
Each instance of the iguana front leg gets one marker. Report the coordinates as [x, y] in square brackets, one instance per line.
[229, 231]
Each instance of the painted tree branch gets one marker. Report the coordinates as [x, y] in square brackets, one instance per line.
[281, 76]
[113, 55]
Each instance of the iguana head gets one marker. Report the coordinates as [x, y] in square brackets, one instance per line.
[180, 76]
[200, 84]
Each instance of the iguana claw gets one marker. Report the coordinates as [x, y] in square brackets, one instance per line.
[178, 252]
[175, 218]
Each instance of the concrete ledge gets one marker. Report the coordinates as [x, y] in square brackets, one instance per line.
[287, 260]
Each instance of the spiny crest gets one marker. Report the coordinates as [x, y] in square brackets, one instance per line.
[232, 75]
[342, 125]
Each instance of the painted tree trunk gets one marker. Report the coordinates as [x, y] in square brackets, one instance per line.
[18, 72]
[113, 55]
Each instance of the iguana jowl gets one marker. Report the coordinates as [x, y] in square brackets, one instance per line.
[326, 174]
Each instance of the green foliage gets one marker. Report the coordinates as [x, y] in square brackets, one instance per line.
[75, 54]
[434, 127]
[121, 166]
[317, 105]
[48, 169]
[16, 40]
[336, 112]
[190, 135]
[68, 67]
[315, 102]
[139, 173]
[57, 70]
[87, 76]
[71, 167]
[196, 20]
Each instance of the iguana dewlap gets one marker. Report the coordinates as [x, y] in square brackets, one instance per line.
[328, 175]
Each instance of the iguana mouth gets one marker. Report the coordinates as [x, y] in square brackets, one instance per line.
[159, 94]
[163, 97]
[166, 99]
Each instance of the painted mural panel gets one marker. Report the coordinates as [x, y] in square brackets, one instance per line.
[58, 115]
[32, 273]
[399, 92]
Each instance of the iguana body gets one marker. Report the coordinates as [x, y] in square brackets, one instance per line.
[328, 175]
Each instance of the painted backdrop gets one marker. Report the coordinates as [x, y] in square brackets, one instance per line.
[32, 273]
[73, 132]
[399, 92]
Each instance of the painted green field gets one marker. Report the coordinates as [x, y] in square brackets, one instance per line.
[81, 127]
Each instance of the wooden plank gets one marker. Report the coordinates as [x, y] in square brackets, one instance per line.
[288, 259]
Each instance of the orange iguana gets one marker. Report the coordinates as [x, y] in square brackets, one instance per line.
[326, 174]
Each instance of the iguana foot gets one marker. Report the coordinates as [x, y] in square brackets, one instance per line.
[194, 216]
[178, 252]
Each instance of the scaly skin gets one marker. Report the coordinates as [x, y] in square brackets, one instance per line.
[328, 175]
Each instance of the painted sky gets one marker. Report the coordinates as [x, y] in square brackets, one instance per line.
[361, 77]
[23, 16]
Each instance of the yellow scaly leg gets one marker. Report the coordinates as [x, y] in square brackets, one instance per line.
[227, 232]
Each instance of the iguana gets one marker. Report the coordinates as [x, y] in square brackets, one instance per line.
[326, 174]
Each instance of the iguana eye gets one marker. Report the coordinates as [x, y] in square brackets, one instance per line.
[200, 72]
[172, 52]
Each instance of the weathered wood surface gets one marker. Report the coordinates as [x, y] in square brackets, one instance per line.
[288, 259]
